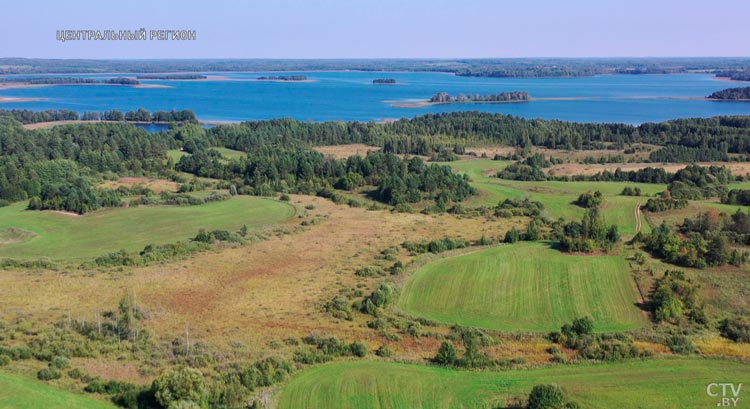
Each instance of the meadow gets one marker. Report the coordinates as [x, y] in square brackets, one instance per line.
[526, 286]
[20, 392]
[663, 384]
[557, 197]
[28, 234]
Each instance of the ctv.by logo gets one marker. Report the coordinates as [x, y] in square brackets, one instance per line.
[728, 393]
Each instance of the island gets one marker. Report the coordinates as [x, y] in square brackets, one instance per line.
[732, 94]
[291, 78]
[384, 81]
[445, 98]
[70, 81]
[172, 77]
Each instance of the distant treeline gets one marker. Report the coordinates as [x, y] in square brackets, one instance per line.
[71, 81]
[26, 116]
[283, 78]
[513, 68]
[172, 77]
[384, 81]
[445, 98]
[732, 94]
[735, 75]
[683, 140]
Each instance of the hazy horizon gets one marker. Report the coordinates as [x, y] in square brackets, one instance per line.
[385, 29]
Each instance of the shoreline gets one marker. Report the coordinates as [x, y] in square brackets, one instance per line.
[8, 100]
[24, 85]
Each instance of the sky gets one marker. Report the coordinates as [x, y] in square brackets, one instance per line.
[383, 28]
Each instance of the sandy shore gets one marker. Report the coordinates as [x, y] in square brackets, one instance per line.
[16, 85]
[13, 99]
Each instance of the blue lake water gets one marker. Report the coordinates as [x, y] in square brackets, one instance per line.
[352, 96]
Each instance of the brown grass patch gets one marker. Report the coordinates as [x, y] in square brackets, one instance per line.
[570, 169]
[269, 290]
[157, 185]
[345, 151]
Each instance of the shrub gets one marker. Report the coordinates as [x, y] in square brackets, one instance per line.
[48, 374]
[59, 362]
[180, 385]
[384, 351]
[546, 397]
[737, 329]
[358, 349]
[680, 344]
[4, 360]
[285, 197]
[446, 355]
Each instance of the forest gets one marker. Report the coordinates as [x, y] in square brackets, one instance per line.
[71, 81]
[171, 77]
[384, 81]
[732, 94]
[283, 78]
[445, 98]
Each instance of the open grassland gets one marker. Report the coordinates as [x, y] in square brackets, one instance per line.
[557, 197]
[526, 286]
[227, 153]
[658, 384]
[63, 236]
[256, 293]
[19, 392]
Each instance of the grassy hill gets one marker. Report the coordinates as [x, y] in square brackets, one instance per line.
[658, 384]
[34, 234]
[526, 286]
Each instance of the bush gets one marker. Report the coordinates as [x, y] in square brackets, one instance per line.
[4, 360]
[59, 362]
[384, 351]
[180, 385]
[737, 329]
[546, 397]
[446, 355]
[358, 349]
[285, 197]
[48, 374]
[680, 344]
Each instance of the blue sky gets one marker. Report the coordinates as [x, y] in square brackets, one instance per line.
[384, 28]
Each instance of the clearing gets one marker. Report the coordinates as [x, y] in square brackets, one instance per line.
[63, 237]
[525, 286]
[662, 384]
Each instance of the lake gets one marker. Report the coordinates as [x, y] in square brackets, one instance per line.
[630, 99]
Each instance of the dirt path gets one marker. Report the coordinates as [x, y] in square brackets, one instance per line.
[638, 223]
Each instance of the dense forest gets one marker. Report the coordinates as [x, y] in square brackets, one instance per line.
[732, 94]
[71, 81]
[445, 98]
[735, 75]
[283, 78]
[26, 116]
[432, 133]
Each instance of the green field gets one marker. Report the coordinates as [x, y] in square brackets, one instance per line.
[32, 234]
[22, 393]
[525, 286]
[227, 153]
[557, 197]
[658, 384]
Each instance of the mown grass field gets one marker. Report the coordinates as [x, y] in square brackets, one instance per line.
[557, 197]
[658, 384]
[526, 286]
[18, 392]
[71, 237]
